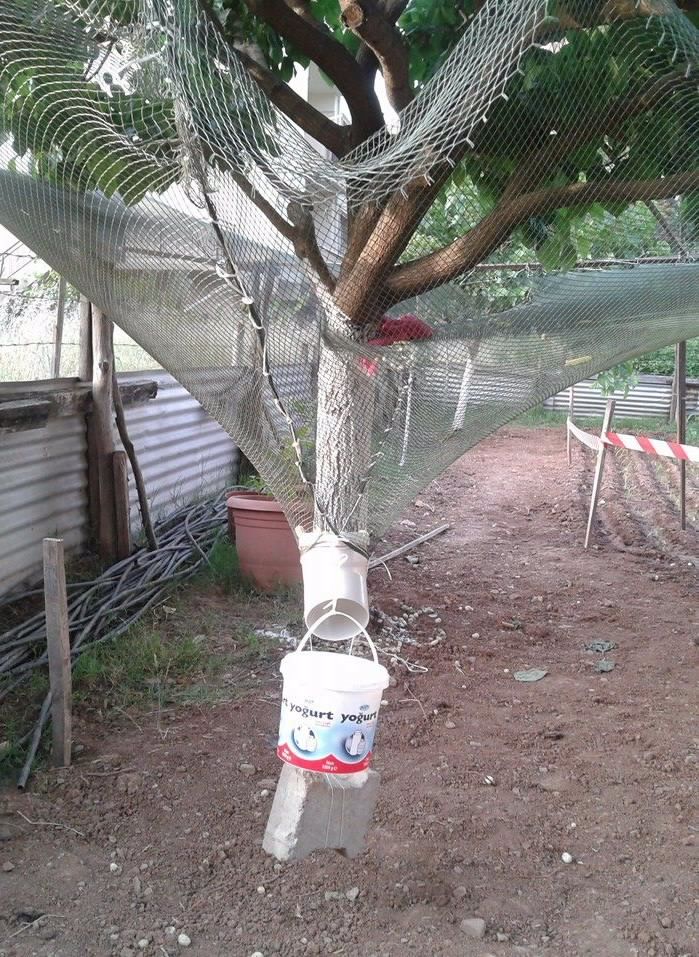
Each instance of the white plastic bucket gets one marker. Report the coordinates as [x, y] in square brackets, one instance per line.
[330, 709]
[335, 596]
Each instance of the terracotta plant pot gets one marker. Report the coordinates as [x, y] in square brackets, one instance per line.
[267, 548]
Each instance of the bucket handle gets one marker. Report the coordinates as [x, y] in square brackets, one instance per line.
[362, 631]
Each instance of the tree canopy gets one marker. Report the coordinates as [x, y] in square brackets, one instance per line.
[601, 113]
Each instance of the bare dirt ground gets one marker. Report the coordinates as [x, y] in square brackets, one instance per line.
[156, 831]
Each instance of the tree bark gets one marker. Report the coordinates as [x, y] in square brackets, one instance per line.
[343, 440]
[100, 431]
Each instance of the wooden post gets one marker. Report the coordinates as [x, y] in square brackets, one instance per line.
[58, 641]
[58, 339]
[120, 467]
[571, 416]
[100, 431]
[85, 358]
[681, 378]
[85, 375]
[599, 468]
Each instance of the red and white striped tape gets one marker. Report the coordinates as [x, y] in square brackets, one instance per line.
[641, 443]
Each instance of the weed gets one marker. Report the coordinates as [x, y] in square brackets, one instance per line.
[223, 567]
[142, 665]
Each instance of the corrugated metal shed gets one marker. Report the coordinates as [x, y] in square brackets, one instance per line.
[43, 482]
[184, 454]
[650, 398]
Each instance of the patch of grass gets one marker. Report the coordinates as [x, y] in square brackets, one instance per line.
[250, 644]
[539, 418]
[223, 569]
[142, 666]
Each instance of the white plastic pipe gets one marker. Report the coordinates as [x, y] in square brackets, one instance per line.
[335, 596]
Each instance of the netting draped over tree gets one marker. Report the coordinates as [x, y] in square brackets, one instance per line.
[344, 317]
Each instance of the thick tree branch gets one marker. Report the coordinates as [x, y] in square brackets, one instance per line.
[393, 9]
[299, 229]
[368, 20]
[435, 269]
[332, 136]
[313, 40]
[312, 121]
[577, 16]
[534, 166]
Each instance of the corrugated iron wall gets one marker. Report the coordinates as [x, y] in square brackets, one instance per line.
[650, 398]
[43, 493]
[184, 455]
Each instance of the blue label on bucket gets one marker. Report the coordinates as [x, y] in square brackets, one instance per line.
[324, 737]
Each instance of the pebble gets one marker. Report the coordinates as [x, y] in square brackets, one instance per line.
[8, 866]
[352, 894]
[449, 725]
[184, 940]
[247, 769]
[114, 868]
[143, 943]
[413, 559]
[566, 857]
[665, 922]
[473, 927]
[257, 953]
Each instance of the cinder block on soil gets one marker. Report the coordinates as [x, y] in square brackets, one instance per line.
[314, 811]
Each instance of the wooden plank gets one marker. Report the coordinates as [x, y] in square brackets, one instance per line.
[23, 414]
[100, 435]
[599, 469]
[571, 419]
[120, 466]
[58, 643]
[85, 340]
[74, 397]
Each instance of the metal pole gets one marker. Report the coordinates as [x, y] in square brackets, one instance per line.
[681, 377]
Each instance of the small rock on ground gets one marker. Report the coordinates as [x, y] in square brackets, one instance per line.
[473, 927]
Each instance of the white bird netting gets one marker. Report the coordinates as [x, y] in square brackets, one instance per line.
[350, 321]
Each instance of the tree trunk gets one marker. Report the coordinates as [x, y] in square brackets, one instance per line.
[343, 440]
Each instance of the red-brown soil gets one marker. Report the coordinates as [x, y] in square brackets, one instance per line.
[601, 766]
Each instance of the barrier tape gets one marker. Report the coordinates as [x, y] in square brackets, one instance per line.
[642, 443]
[591, 441]
[636, 443]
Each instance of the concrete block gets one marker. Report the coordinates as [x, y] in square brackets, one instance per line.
[313, 811]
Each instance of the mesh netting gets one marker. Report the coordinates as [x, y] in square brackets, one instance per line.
[357, 323]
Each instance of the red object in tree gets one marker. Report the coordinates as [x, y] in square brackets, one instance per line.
[406, 328]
